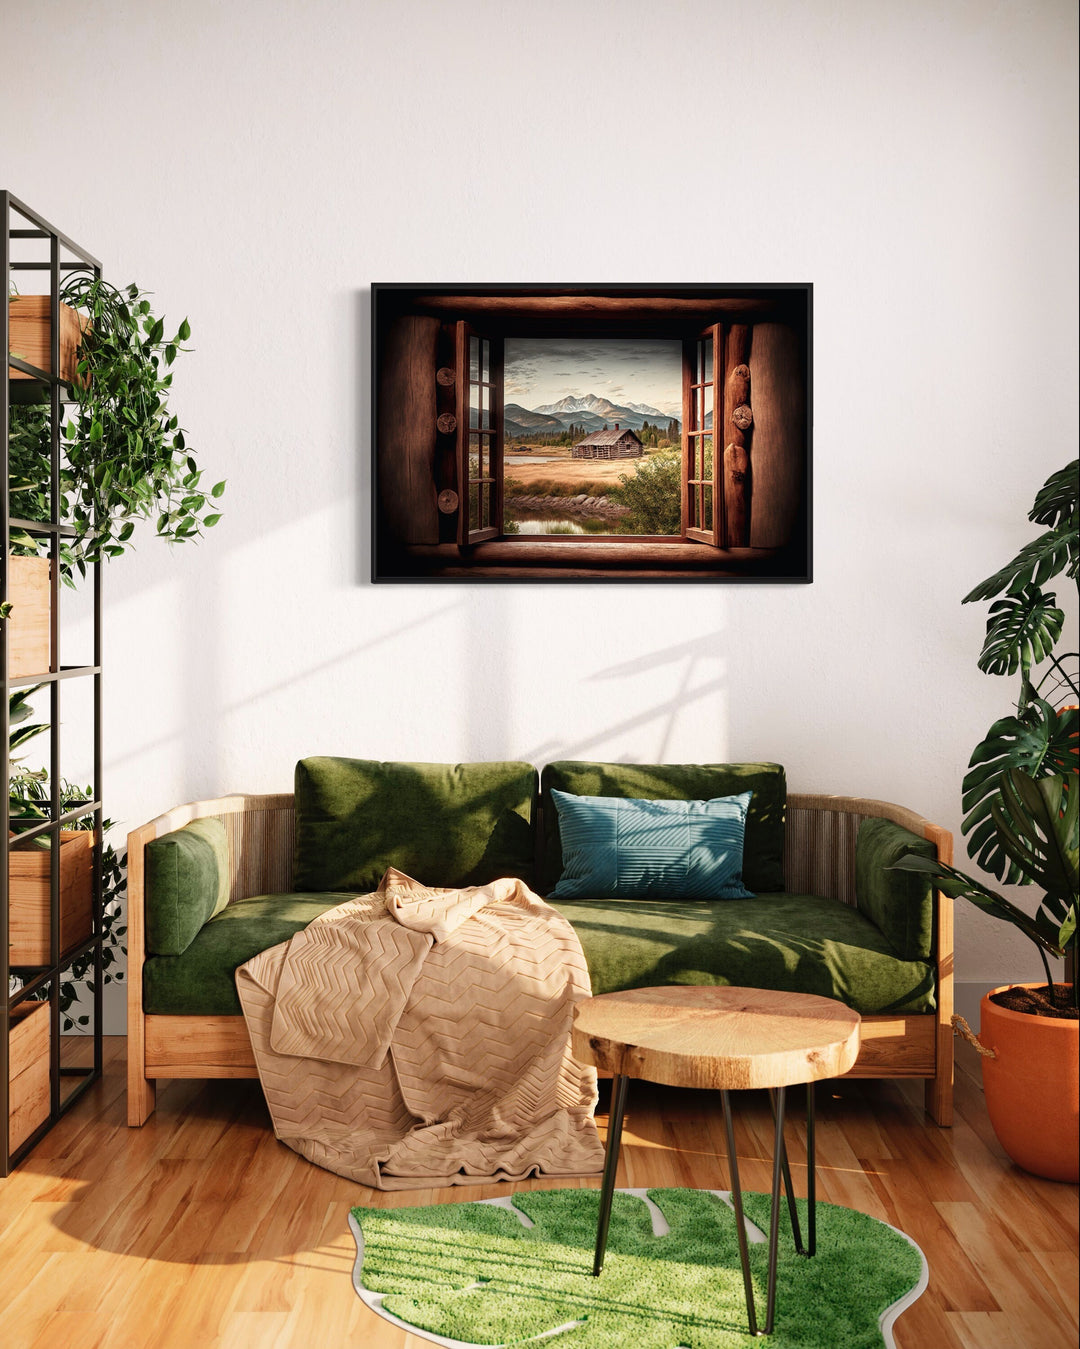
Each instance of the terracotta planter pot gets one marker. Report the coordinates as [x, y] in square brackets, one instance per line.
[1031, 1087]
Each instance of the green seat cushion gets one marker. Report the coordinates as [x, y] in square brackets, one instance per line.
[187, 882]
[795, 943]
[443, 824]
[901, 903]
[200, 981]
[763, 846]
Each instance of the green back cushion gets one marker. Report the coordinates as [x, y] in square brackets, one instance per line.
[187, 882]
[443, 824]
[899, 902]
[763, 849]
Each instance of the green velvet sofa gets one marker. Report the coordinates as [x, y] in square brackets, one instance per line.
[213, 883]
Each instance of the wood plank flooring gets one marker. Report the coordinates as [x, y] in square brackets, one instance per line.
[201, 1230]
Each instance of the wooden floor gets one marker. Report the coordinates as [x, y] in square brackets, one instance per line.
[199, 1229]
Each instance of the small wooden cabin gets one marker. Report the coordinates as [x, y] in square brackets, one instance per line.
[607, 444]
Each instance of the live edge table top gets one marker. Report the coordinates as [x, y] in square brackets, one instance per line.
[727, 1039]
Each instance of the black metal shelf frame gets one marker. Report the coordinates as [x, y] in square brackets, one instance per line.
[38, 980]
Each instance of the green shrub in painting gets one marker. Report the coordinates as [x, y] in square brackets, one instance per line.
[653, 495]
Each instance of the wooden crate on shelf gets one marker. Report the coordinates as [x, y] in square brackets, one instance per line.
[29, 628]
[31, 336]
[28, 888]
[29, 1071]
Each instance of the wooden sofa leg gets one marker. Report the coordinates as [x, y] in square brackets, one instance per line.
[141, 1098]
[939, 1089]
[141, 1090]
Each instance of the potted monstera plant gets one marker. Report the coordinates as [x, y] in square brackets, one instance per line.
[1021, 795]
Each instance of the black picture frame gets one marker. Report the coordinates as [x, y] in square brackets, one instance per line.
[436, 502]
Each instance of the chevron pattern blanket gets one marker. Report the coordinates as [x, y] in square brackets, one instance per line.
[414, 1037]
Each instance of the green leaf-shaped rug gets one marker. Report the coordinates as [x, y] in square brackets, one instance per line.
[512, 1271]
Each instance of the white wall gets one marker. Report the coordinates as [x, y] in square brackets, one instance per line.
[257, 165]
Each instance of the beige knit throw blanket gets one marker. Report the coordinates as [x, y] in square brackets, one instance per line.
[416, 1037]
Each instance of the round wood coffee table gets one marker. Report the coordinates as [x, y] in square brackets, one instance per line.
[726, 1039]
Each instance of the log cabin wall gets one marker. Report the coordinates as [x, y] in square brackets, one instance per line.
[406, 432]
[777, 456]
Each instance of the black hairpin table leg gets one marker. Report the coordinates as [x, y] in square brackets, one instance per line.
[736, 1199]
[611, 1165]
[781, 1176]
[811, 1174]
[789, 1189]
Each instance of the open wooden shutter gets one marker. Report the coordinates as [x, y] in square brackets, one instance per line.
[480, 434]
[702, 506]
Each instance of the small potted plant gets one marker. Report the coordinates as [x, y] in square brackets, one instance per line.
[1022, 798]
[29, 797]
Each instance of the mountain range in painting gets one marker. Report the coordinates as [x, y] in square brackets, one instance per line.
[589, 411]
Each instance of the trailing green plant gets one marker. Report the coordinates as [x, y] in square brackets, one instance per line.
[124, 454]
[29, 797]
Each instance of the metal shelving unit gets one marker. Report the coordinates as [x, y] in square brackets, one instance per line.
[42, 982]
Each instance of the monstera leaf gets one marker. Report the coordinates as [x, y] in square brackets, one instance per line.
[1042, 743]
[1057, 498]
[958, 885]
[1021, 631]
[1056, 550]
[482, 1274]
[1052, 552]
[1038, 822]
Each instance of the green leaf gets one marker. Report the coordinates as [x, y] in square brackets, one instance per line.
[1055, 551]
[1042, 743]
[958, 885]
[211, 520]
[1021, 631]
[1057, 500]
[1038, 825]
[217, 489]
[184, 331]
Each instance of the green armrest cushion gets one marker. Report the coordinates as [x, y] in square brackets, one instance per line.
[900, 903]
[763, 846]
[187, 883]
[443, 824]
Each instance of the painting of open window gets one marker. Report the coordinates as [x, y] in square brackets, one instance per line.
[591, 433]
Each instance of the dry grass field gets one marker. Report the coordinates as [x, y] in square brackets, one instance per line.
[566, 477]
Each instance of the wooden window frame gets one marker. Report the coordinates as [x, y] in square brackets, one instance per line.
[489, 438]
[694, 483]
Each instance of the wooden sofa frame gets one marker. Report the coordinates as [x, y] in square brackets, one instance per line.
[819, 858]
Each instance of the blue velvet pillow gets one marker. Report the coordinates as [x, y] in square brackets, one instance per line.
[624, 848]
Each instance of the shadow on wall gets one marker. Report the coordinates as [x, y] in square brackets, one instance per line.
[681, 665]
[292, 682]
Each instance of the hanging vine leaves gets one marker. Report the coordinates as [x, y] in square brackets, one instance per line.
[124, 453]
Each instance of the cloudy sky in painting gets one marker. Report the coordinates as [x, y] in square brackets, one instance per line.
[541, 370]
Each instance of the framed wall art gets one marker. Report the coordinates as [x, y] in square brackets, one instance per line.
[616, 433]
